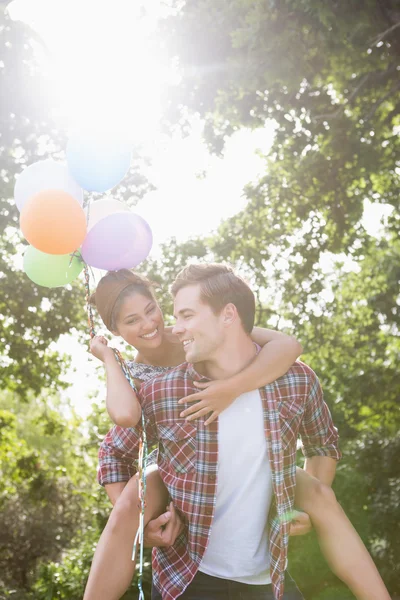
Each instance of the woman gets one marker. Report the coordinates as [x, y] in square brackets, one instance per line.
[128, 308]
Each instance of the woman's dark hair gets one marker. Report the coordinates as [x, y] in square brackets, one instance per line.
[112, 290]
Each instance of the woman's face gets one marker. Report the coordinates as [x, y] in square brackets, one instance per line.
[140, 322]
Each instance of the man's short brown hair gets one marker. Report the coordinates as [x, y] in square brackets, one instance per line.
[219, 286]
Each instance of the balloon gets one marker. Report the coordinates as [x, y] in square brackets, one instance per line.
[51, 270]
[100, 209]
[97, 165]
[53, 222]
[45, 175]
[119, 241]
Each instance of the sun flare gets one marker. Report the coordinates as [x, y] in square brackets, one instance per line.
[106, 74]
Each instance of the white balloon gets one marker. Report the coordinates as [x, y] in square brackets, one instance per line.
[45, 175]
[99, 209]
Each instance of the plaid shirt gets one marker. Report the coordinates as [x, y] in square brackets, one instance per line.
[293, 405]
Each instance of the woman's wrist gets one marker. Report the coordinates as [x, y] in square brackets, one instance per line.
[109, 357]
[234, 385]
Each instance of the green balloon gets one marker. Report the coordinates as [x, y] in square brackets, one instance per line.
[51, 270]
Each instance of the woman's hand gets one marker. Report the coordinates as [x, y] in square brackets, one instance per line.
[99, 347]
[213, 397]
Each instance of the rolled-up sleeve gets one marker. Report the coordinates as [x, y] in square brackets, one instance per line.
[318, 434]
[118, 454]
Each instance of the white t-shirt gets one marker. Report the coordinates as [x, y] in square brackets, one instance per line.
[238, 543]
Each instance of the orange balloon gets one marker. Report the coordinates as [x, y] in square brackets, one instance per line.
[54, 222]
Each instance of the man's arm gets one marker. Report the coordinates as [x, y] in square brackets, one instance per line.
[117, 453]
[320, 446]
[321, 467]
[114, 490]
[118, 450]
[318, 434]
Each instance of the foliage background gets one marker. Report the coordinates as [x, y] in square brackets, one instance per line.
[328, 74]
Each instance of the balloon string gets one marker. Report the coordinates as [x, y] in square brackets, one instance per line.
[89, 306]
[143, 449]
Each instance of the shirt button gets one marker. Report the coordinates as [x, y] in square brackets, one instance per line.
[212, 477]
[209, 511]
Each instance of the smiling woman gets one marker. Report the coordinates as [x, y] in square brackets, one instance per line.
[105, 70]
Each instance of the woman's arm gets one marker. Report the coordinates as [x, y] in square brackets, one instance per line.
[121, 402]
[279, 351]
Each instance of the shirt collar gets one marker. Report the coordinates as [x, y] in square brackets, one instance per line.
[195, 375]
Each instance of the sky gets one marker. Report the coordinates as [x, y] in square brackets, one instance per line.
[68, 28]
[82, 68]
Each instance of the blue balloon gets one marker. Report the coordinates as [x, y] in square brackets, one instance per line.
[97, 166]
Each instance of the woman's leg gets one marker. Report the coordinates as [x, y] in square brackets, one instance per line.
[340, 543]
[112, 567]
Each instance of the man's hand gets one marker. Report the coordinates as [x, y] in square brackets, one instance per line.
[163, 531]
[301, 523]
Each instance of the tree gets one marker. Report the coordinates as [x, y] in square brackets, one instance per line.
[326, 73]
[40, 507]
[65, 578]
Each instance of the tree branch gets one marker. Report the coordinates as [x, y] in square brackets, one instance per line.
[347, 101]
[376, 75]
[384, 34]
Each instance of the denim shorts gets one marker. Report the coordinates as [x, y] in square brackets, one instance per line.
[205, 587]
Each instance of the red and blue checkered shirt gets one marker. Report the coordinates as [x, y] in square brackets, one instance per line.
[293, 406]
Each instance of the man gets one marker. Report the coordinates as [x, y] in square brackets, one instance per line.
[233, 481]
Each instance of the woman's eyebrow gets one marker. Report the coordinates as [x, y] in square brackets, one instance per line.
[136, 314]
[129, 316]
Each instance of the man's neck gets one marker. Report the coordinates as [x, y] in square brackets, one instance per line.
[231, 358]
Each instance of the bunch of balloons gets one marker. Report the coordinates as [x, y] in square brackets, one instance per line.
[63, 235]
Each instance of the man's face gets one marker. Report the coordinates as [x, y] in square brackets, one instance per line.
[197, 327]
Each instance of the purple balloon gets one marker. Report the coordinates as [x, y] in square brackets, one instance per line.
[119, 241]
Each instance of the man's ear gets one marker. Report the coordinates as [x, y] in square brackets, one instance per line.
[230, 314]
